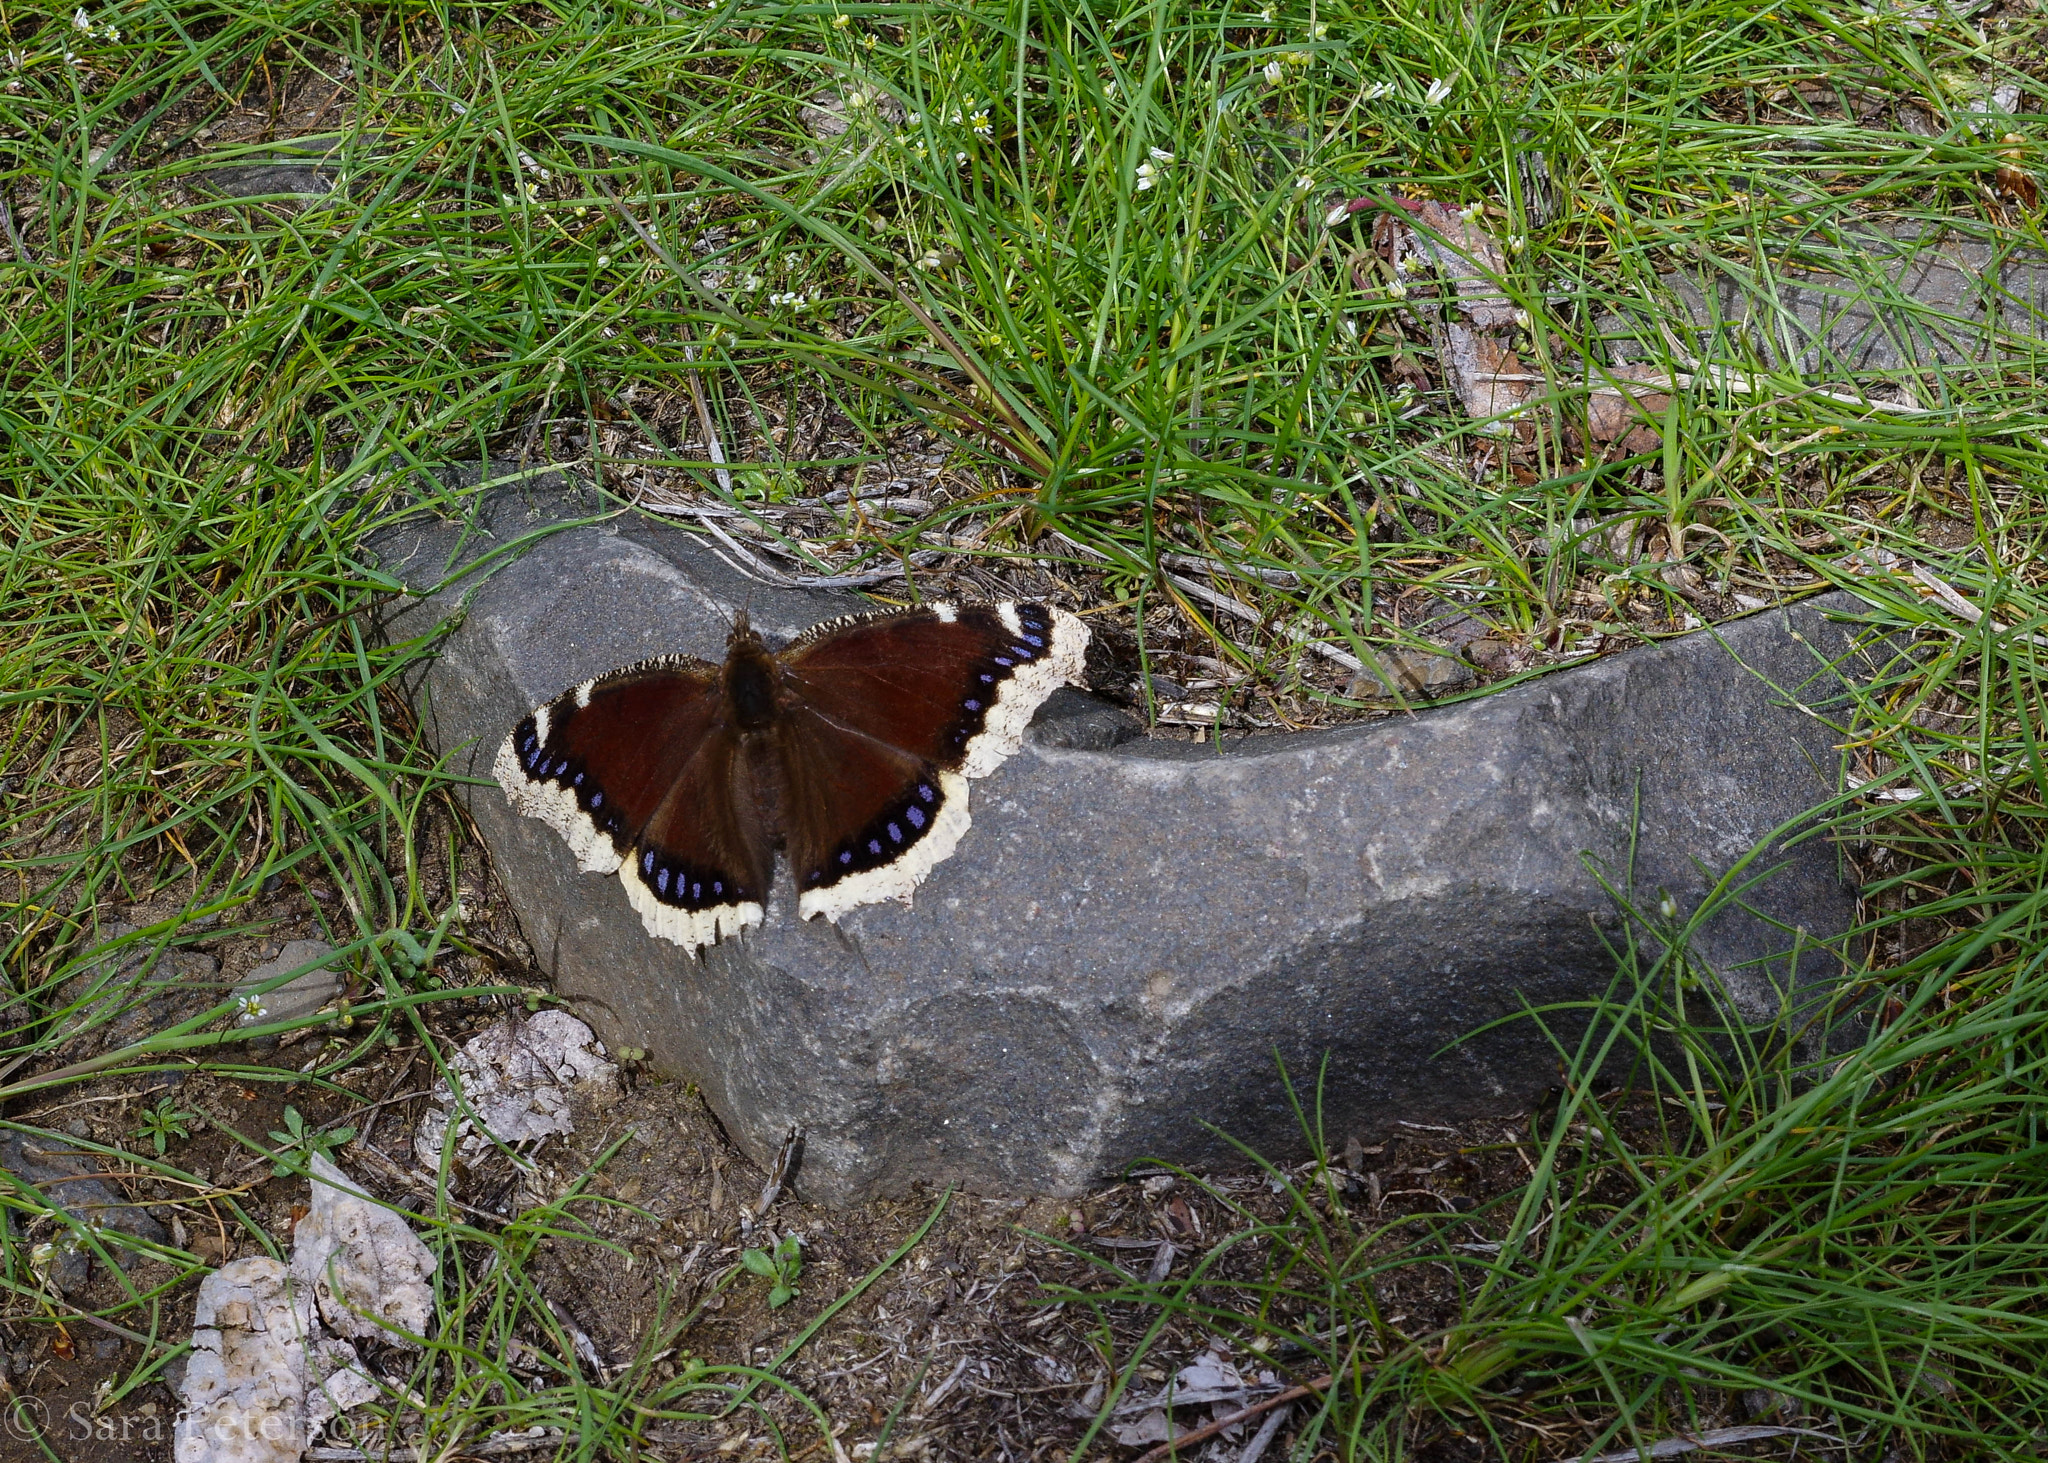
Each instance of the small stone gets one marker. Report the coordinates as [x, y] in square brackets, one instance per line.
[1489, 654]
[300, 996]
[361, 1263]
[517, 1079]
[303, 168]
[244, 1382]
[1413, 674]
[73, 1181]
[1925, 298]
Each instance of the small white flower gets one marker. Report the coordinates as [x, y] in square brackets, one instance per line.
[1397, 290]
[751, 283]
[80, 21]
[1267, 15]
[841, 22]
[980, 123]
[955, 118]
[960, 157]
[856, 99]
[1336, 215]
[1273, 72]
[1160, 155]
[250, 1009]
[1304, 183]
[1439, 89]
[1319, 32]
[1471, 211]
[1668, 907]
[1379, 91]
[1108, 90]
[868, 40]
[603, 260]
[1517, 243]
[1147, 176]
[914, 118]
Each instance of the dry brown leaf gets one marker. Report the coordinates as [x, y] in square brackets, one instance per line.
[1620, 418]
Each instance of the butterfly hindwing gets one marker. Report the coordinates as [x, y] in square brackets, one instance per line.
[635, 770]
[862, 821]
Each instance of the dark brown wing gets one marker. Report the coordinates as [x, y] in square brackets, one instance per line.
[951, 685]
[638, 770]
[890, 714]
[862, 821]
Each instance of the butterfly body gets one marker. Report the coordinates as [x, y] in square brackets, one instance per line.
[849, 750]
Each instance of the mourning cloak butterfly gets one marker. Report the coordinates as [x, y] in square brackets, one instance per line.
[850, 749]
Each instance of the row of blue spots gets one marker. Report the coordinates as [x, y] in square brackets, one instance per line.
[913, 814]
[663, 874]
[536, 760]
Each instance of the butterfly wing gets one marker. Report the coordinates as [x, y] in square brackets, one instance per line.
[640, 772]
[891, 715]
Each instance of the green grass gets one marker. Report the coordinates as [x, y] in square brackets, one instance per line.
[201, 403]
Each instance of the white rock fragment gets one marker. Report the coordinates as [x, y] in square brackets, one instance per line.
[364, 1267]
[517, 1079]
[245, 1382]
[264, 1378]
[335, 1383]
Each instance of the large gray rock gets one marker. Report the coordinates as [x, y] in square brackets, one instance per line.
[1130, 932]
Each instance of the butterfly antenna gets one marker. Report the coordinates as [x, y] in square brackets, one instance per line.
[742, 624]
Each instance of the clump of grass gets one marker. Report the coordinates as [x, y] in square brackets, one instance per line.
[1092, 249]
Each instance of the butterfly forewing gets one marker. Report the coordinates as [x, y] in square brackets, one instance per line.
[953, 686]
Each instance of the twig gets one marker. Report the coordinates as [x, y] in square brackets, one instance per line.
[1232, 607]
[1716, 1438]
[1948, 595]
[1286, 578]
[1209, 1430]
[1229, 606]
[938, 1393]
[1256, 1448]
[785, 1160]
